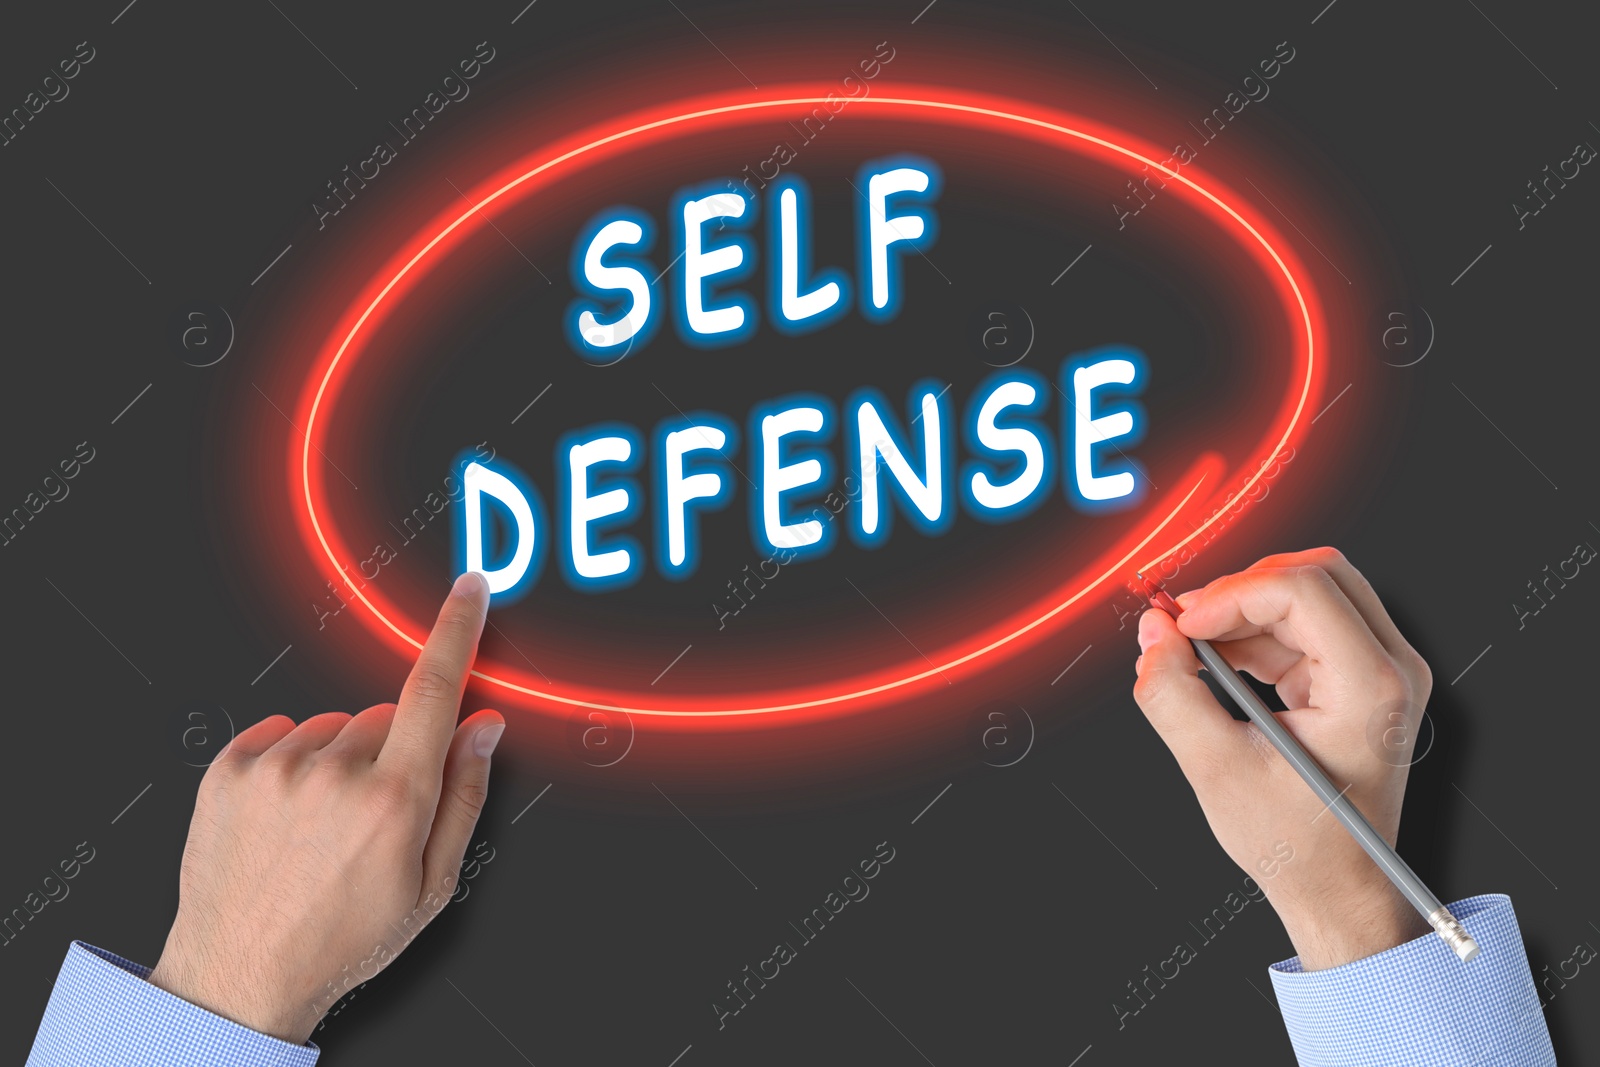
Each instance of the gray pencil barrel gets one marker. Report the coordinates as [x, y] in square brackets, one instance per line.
[1388, 861]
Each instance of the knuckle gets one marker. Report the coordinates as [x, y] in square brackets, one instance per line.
[275, 760]
[223, 770]
[1310, 583]
[1327, 557]
[394, 792]
[1153, 689]
[1390, 681]
[471, 796]
[218, 781]
[274, 774]
[1416, 671]
[458, 625]
[430, 683]
[1422, 671]
[328, 770]
[1312, 574]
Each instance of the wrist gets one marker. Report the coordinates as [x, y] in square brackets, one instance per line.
[235, 997]
[1336, 929]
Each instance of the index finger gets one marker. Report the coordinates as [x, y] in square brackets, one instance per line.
[1303, 607]
[425, 717]
[1354, 584]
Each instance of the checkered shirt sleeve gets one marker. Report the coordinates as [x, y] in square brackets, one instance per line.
[102, 1013]
[1417, 1005]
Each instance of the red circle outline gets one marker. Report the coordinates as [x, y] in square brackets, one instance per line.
[926, 103]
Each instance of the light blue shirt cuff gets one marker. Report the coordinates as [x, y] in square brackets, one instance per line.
[102, 1013]
[1417, 1004]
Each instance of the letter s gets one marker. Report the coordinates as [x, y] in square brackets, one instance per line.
[594, 276]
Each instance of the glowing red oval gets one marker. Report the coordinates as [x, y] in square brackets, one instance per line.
[1141, 549]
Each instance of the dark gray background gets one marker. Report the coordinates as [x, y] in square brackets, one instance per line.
[1008, 923]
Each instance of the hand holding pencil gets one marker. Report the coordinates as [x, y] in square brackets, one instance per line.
[1311, 625]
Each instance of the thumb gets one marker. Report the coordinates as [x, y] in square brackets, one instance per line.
[1200, 733]
[461, 799]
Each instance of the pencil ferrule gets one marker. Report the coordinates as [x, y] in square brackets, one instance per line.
[1454, 934]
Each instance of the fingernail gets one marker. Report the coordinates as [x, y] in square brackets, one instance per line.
[1184, 599]
[1147, 630]
[470, 584]
[488, 737]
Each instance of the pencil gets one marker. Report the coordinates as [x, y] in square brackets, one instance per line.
[1404, 878]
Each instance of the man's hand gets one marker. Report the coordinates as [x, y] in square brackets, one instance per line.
[1311, 625]
[318, 851]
